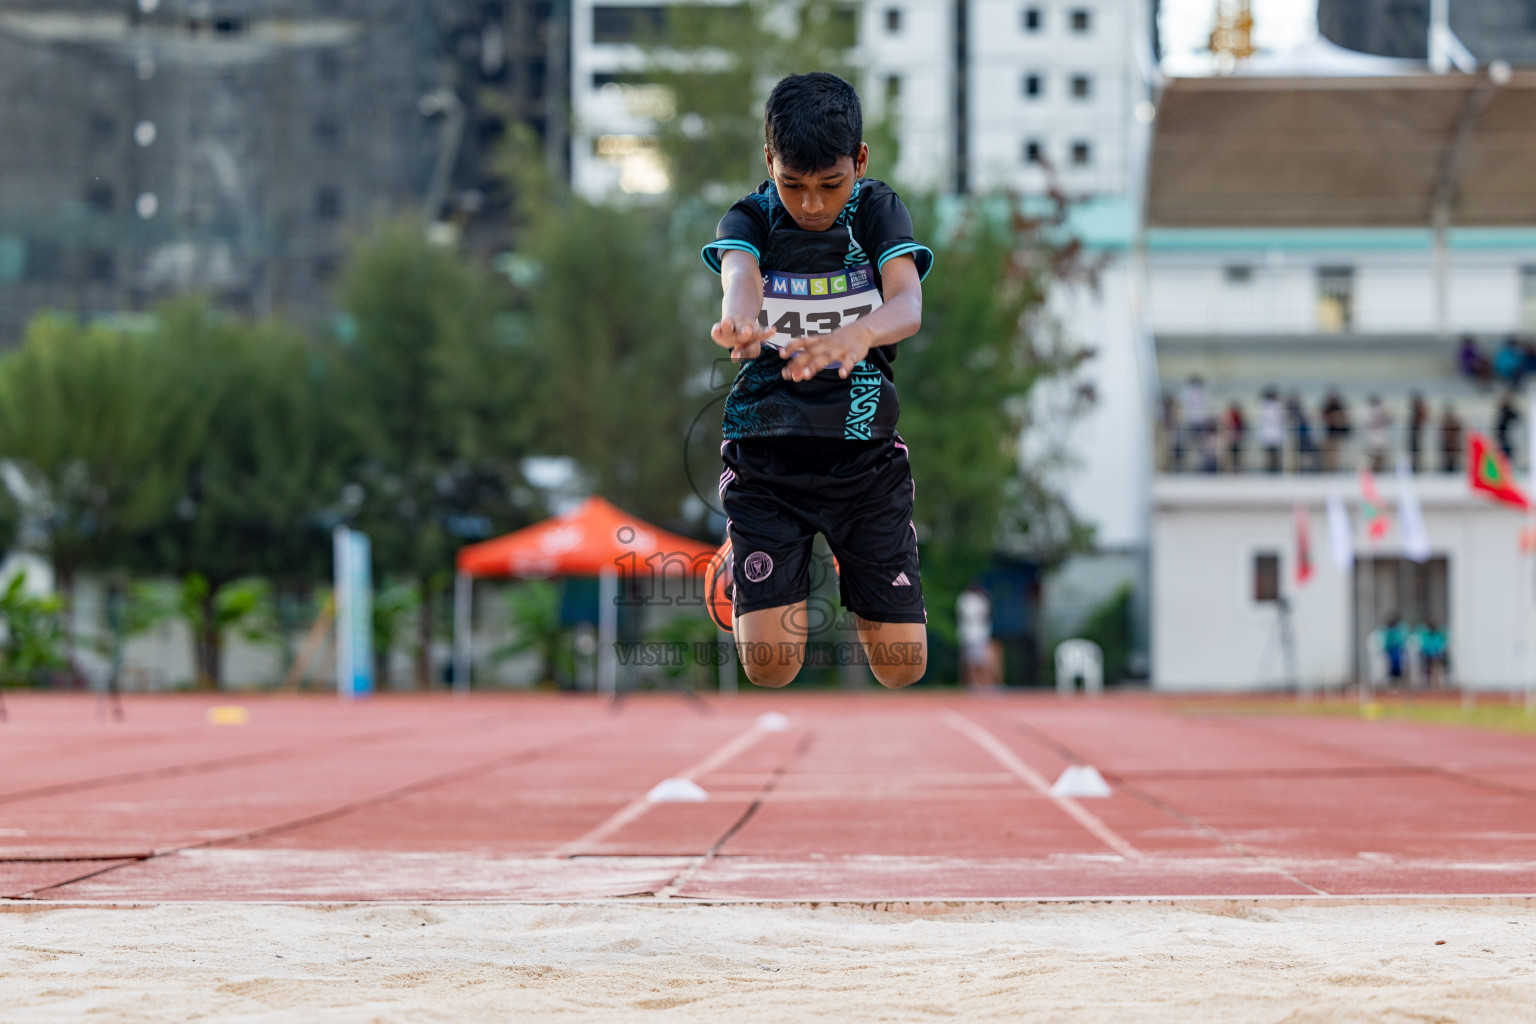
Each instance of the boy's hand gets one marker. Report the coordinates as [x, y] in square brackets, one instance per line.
[743, 337]
[810, 355]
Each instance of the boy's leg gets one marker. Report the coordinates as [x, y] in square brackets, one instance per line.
[871, 533]
[897, 651]
[771, 643]
[770, 553]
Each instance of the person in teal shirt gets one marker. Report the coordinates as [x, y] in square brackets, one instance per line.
[1433, 649]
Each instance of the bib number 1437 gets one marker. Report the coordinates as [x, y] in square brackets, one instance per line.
[790, 322]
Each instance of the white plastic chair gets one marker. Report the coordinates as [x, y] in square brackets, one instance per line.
[1076, 658]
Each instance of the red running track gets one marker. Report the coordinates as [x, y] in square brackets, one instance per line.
[909, 796]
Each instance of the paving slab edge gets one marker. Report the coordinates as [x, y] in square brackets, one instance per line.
[916, 907]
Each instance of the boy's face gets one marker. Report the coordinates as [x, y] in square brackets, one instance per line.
[815, 198]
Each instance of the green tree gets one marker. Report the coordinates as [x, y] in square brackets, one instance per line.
[717, 64]
[617, 351]
[969, 381]
[265, 482]
[243, 606]
[533, 612]
[33, 639]
[440, 403]
[393, 606]
[101, 428]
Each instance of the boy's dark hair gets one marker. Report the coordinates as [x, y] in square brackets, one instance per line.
[813, 120]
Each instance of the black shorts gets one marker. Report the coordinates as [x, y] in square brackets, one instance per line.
[779, 493]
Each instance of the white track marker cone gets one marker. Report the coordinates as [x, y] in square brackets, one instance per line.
[772, 721]
[674, 791]
[1081, 780]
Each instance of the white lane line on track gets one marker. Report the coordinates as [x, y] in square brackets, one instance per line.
[1008, 759]
[635, 808]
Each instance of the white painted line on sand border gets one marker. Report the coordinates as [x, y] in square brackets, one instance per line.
[635, 808]
[1008, 759]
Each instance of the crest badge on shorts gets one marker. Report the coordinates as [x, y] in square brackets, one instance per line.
[758, 566]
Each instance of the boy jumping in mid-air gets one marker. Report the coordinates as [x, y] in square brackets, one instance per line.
[821, 279]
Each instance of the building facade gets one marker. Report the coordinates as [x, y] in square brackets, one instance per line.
[164, 146]
[987, 93]
[1341, 286]
[156, 147]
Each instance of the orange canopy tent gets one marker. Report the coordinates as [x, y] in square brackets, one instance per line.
[593, 539]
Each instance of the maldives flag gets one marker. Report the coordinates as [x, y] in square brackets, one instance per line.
[1303, 544]
[1489, 472]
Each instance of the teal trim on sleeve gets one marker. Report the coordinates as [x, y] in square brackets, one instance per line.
[710, 254]
[921, 255]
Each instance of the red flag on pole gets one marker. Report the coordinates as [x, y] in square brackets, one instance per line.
[1303, 545]
[1488, 471]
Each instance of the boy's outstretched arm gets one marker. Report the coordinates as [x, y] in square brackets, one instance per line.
[899, 317]
[738, 329]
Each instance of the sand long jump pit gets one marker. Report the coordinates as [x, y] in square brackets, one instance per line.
[885, 857]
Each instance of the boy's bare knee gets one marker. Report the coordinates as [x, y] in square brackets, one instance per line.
[898, 654]
[899, 675]
[774, 675]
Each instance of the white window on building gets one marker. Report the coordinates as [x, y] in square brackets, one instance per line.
[1237, 273]
[1034, 85]
[1082, 87]
[1335, 299]
[1082, 153]
[893, 20]
[1034, 19]
[1081, 20]
[892, 89]
[1528, 298]
[1034, 151]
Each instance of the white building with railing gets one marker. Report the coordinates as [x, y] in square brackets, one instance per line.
[1357, 247]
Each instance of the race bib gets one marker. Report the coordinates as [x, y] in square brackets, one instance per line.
[799, 305]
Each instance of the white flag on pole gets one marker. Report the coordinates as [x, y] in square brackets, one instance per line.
[1341, 534]
[1410, 515]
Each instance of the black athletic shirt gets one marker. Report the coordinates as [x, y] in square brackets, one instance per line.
[813, 283]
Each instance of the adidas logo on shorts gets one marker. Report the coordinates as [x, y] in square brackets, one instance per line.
[901, 580]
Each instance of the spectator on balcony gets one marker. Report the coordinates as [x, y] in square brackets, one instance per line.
[1236, 429]
[1472, 362]
[1173, 442]
[1198, 425]
[1450, 440]
[1418, 420]
[1336, 429]
[1301, 429]
[1271, 429]
[1503, 424]
[1210, 447]
[1509, 362]
[1378, 434]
